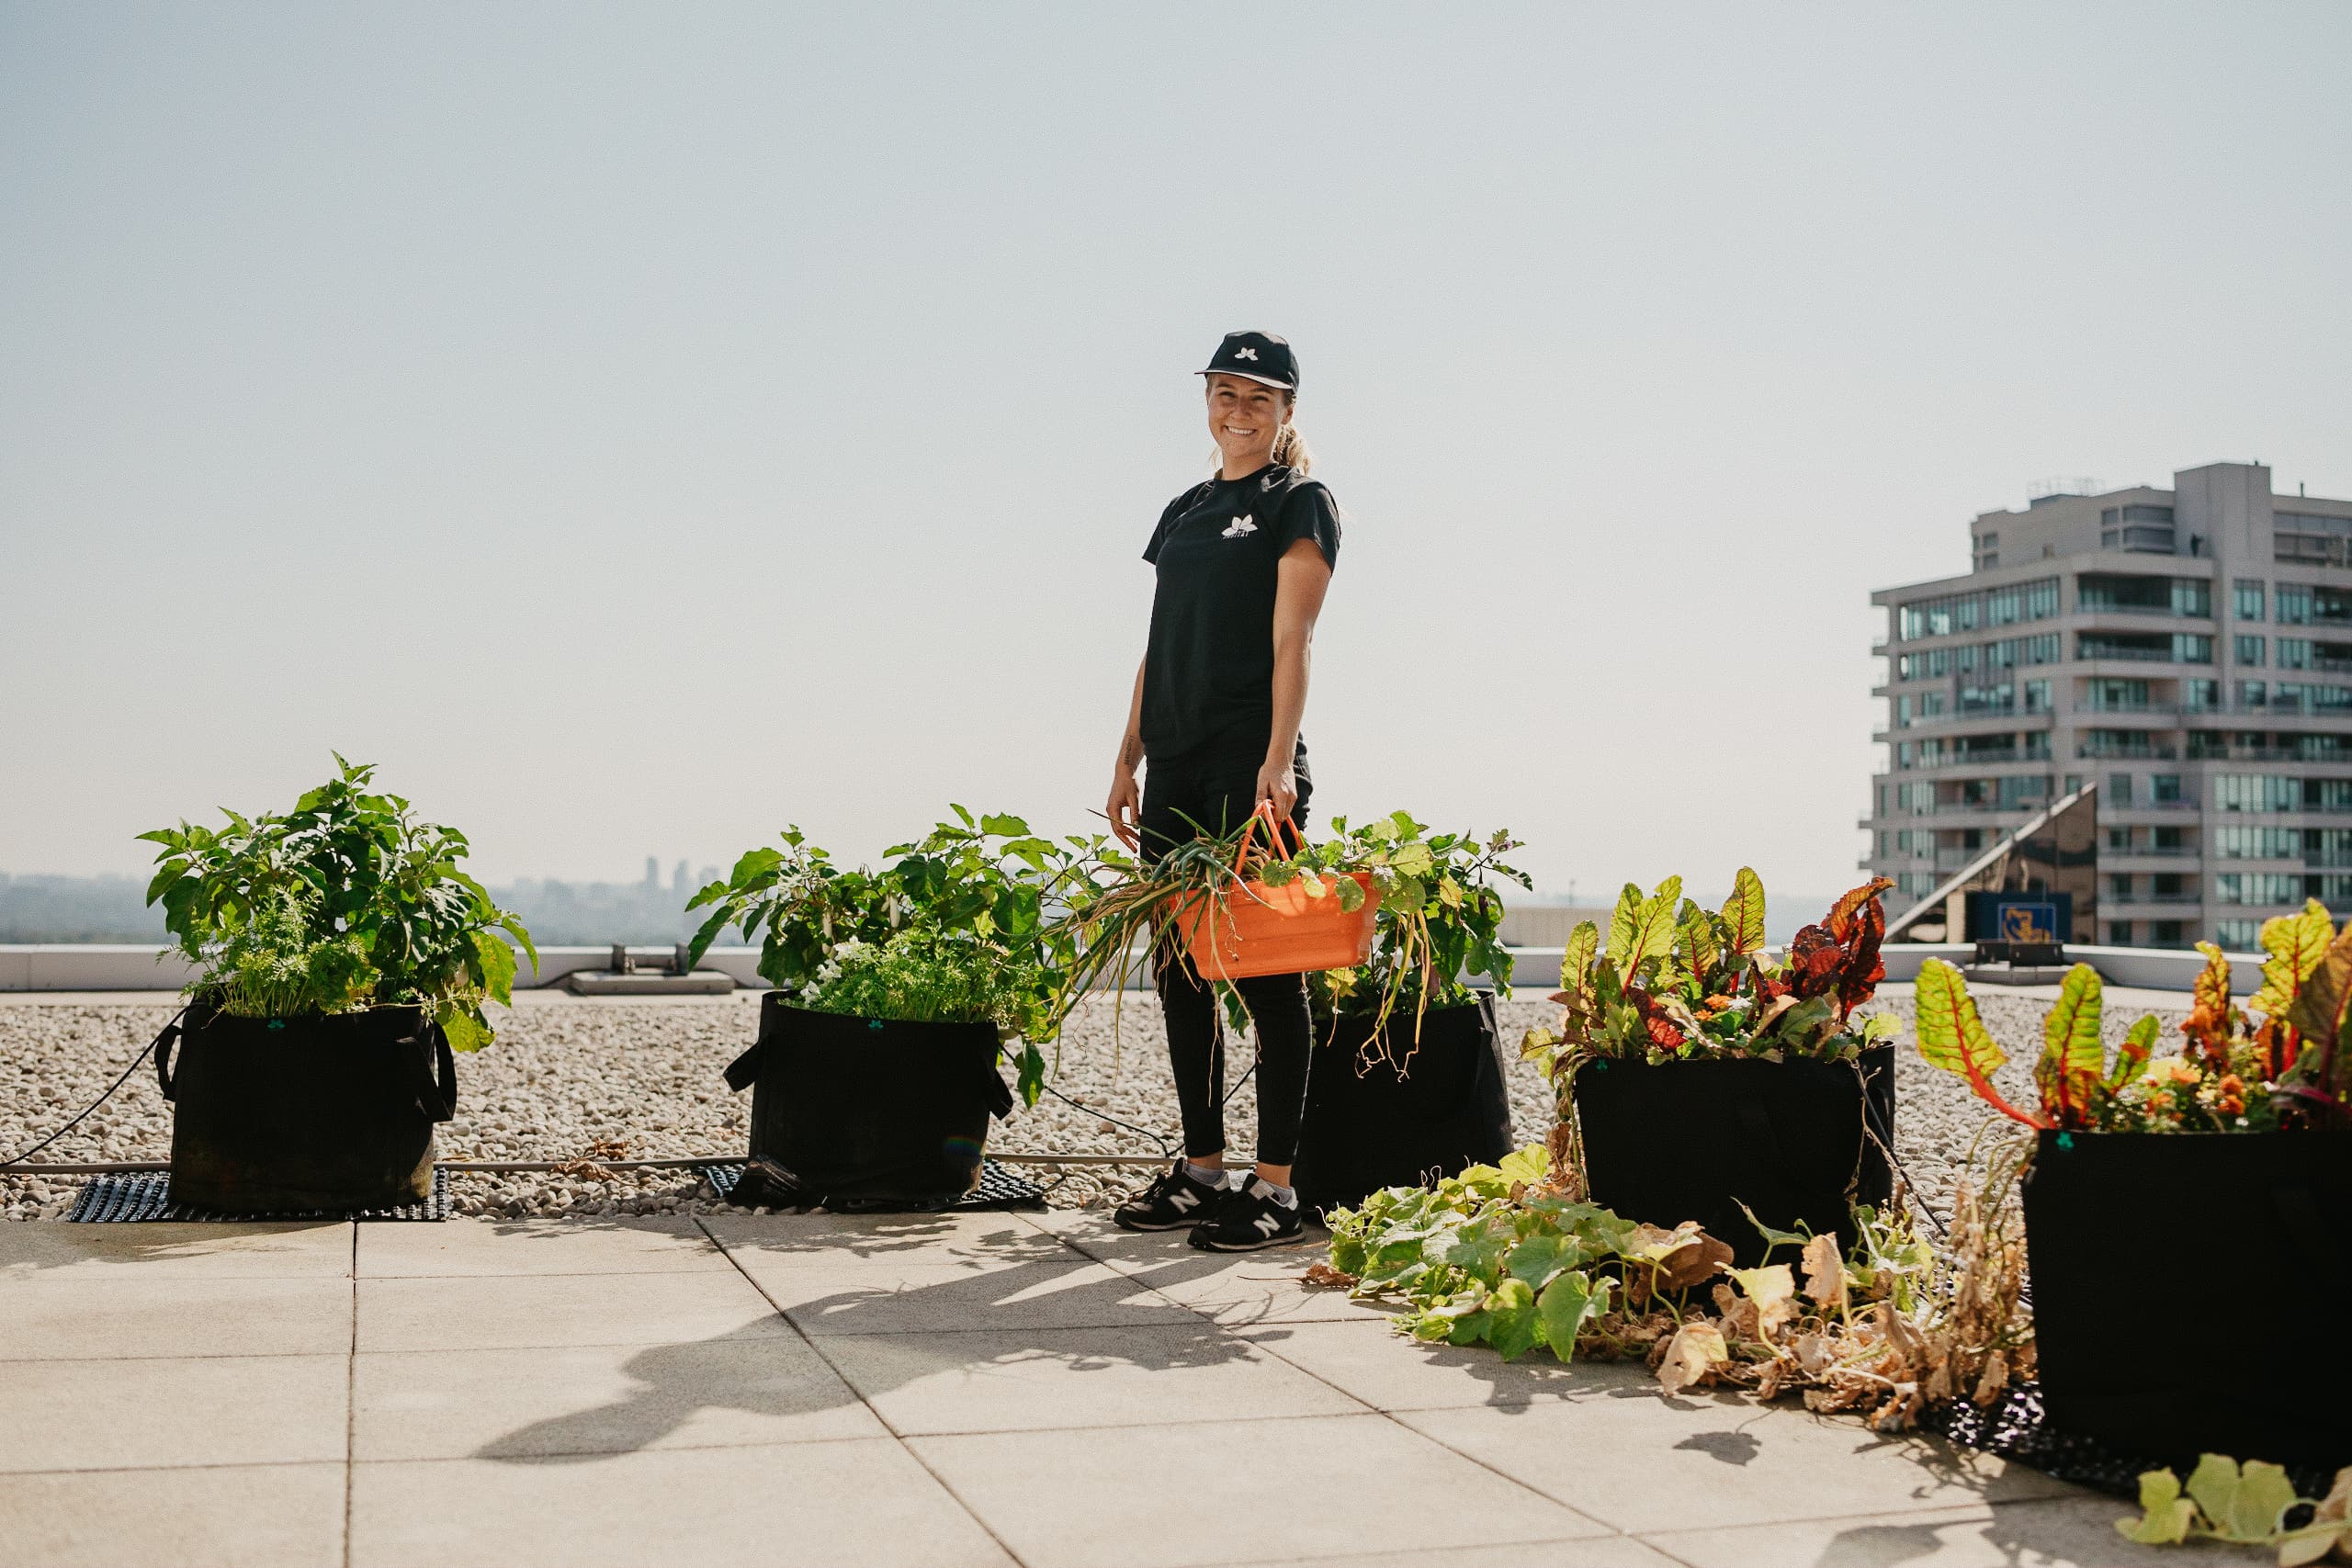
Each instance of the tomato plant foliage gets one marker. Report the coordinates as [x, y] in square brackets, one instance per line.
[345, 902]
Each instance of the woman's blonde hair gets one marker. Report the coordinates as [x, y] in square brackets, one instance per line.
[1290, 448]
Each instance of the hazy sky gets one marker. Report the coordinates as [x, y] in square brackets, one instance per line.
[639, 427]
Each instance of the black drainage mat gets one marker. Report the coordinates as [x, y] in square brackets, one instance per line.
[999, 1189]
[146, 1195]
[2016, 1427]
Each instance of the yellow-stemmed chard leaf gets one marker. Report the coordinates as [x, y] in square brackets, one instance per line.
[2209, 1026]
[1743, 915]
[2072, 1057]
[2132, 1059]
[1952, 1037]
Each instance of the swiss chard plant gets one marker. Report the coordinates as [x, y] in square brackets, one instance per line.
[956, 928]
[1673, 981]
[2277, 1064]
[346, 902]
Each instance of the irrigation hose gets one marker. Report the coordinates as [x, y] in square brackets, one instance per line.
[18, 1158]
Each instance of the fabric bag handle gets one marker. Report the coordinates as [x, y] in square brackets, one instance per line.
[162, 1049]
[436, 1093]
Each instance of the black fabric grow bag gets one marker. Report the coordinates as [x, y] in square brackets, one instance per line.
[1694, 1140]
[2173, 1273]
[1367, 1128]
[870, 1109]
[305, 1114]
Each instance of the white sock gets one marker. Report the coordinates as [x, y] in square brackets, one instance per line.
[1213, 1176]
[1287, 1196]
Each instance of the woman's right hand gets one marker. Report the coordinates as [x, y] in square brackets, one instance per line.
[1125, 808]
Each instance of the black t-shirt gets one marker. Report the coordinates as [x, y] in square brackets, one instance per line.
[1208, 679]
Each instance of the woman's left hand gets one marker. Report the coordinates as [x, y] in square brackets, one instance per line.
[1277, 783]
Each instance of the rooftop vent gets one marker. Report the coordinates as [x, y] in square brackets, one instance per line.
[2042, 491]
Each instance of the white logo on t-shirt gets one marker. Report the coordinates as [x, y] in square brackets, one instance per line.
[1245, 354]
[1240, 525]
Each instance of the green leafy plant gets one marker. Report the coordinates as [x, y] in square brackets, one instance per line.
[1511, 1256]
[1673, 981]
[2246, 1506]
[2230, 1077]
[345, 902]
[956, 928]
[1439, 919]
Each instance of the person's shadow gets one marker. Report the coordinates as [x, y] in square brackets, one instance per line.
[1010, 1272]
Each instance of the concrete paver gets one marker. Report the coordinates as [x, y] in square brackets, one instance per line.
[262, 1516]
[861, 1504]
[1141, 1496]
[1005, 1381]
[1643, 1463]
[176, 1250]
[941, 1390]
[519, 1310]
[117, 1414]
[513, 1403]
[2080, 1528]
[108, 1315]
[1370, 1361]
[535, 1247]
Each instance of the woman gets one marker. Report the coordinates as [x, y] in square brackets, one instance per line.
[1243, 560]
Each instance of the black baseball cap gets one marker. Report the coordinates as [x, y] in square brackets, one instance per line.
[1256, 357]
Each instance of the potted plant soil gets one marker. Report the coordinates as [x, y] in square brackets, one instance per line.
[1407, 1084]
[343, 956]
[1701, 1079]
[2223, 1172]
[897, 993]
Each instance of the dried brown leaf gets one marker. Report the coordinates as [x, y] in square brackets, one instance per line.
[1692, 1357]
[1825, 1271]
[1323, 1277]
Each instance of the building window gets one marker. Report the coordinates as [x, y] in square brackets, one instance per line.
[2247, 597]
[2234, 842]
[2119, 933]
[2036, 696]
[2294, 604]
[2294, 653]
[2201, 695]
[2118, 790]
[2243, 935]
[2168, 934]
[2257, 792]
[2119, 840]
[2189, 648]
[2137, 527]
[2037, 745]
[2041, 599]
[2119, 885]
[2253, 695]
[2262, 889]
[2164, 789]
[2246, 650]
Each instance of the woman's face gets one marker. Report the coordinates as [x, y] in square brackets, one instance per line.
[1243, 418]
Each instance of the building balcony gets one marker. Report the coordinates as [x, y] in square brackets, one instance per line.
[2090, 751]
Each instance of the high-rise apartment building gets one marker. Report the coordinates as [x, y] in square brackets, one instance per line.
[2188, 651]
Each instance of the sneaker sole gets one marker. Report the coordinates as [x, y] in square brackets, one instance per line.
[1125, 1223]
[1207, 1245]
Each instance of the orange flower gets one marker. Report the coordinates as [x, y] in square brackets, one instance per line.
[2232, 1088]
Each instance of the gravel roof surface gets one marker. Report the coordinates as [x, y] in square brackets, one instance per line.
[566, 1075]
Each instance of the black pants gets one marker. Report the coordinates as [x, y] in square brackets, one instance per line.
[1218, 794]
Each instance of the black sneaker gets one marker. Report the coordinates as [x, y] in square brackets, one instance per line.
[1248, 1220]
[1174, 1200]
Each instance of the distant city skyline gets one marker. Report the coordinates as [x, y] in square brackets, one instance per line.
[641, 429]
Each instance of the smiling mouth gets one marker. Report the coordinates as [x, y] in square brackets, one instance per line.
[1241, 431]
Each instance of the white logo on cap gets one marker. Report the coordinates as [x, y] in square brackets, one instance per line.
[1245, 354]
[1240, 525]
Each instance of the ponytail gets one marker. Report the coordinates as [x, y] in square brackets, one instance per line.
[1289, 448]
